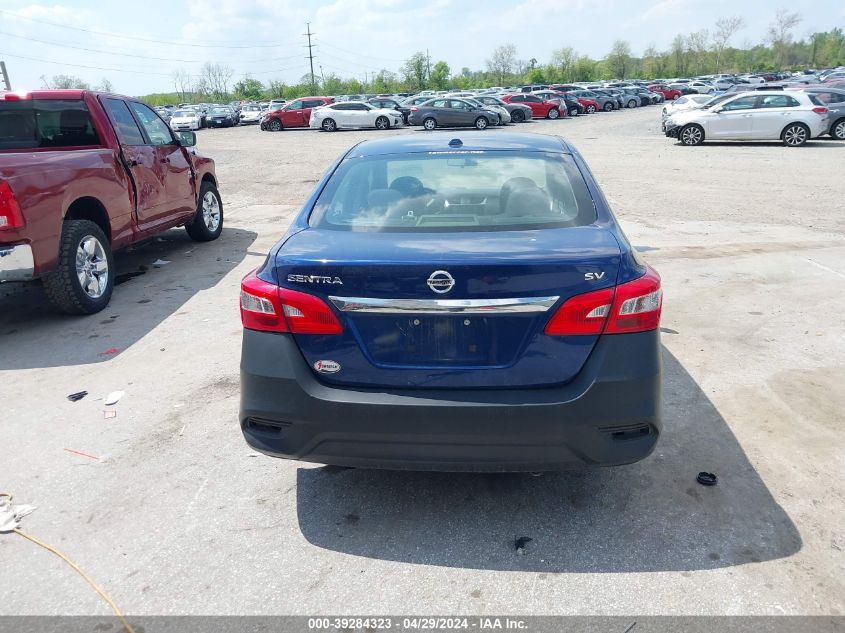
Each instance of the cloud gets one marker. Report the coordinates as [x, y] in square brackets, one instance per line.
[662, 9]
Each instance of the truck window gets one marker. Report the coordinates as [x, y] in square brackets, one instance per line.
[124, 124]
[156, 129]
[46, 123]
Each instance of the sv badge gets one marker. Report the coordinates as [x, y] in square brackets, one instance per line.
[594, 276]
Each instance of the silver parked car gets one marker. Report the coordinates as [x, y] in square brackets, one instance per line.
[834, 99]
[793, 117]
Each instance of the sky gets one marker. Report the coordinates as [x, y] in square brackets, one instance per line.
[138, 45]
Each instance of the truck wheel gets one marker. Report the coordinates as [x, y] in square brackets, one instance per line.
[84, 278]
[208, 221]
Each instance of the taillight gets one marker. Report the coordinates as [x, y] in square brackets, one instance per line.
[414, 109]
[637, 305]
[581, 314]
[10, 211]
[631, 307]
[269, 308]
[820, 110]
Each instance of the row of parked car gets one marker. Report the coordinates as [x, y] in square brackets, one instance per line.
[480, 109]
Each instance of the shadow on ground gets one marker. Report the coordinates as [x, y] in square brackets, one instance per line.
[650, 516]
[33, 335]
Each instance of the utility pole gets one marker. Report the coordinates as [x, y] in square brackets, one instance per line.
[310, 57]
[5, 75]
[428, 65]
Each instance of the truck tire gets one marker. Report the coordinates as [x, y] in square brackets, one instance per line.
[208, 220]
[84, 278]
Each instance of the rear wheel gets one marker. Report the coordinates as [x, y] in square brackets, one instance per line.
[329, 125]
[517, 116]
[591, 109]
[692, 134]
[554, 113]
[382, 123]
[83, 280]
[632, 103]
[275, 125]
[430, 124]
[481, 123]
[208, 221]
[608, 107]
[795, 134]
[837, 130]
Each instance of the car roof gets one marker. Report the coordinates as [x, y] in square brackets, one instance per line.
[439, 142]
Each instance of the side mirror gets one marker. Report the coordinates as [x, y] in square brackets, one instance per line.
[187, 139]
[717, 110]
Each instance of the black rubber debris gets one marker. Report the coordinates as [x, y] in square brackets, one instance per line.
[707, 479]
[520, 543]
[79, 395]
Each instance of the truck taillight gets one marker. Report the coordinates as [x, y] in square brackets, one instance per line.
[10, 211]
[820, 110]
[634, 306]
[269, 308]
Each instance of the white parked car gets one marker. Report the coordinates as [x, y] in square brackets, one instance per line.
[687, 102]
[185, 120]
[793, 117]
[353, 114]
[702, 87]
[251, 114]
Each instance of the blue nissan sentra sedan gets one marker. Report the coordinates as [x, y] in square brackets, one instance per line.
[453, 303]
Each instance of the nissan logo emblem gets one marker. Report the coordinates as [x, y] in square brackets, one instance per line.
[440, 281]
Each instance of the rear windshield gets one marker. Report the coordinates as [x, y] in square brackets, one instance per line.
[455, 191]
[45, 123]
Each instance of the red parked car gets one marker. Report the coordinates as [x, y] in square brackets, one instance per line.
[83, 174]
[295, 114]
[670, 94]
[542, 108]
[590, 105]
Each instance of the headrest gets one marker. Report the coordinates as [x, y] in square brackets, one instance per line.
[74, 121]
[383, 198]
[527, 202]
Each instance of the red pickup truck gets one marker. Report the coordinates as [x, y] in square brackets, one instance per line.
[83, 174]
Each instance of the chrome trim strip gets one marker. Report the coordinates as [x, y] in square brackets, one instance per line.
[443, 306]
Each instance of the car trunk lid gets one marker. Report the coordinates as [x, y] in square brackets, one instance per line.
[456, 310]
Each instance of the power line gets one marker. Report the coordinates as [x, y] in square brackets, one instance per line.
[384, 59]
[137, 72]
[119, 70]
[124, 36]
[107, 52]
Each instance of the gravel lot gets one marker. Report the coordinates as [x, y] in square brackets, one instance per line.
[177, 517]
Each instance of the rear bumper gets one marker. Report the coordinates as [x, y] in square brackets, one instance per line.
[608, 415]
[16, 262]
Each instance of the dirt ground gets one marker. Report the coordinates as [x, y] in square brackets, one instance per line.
[177, 516]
